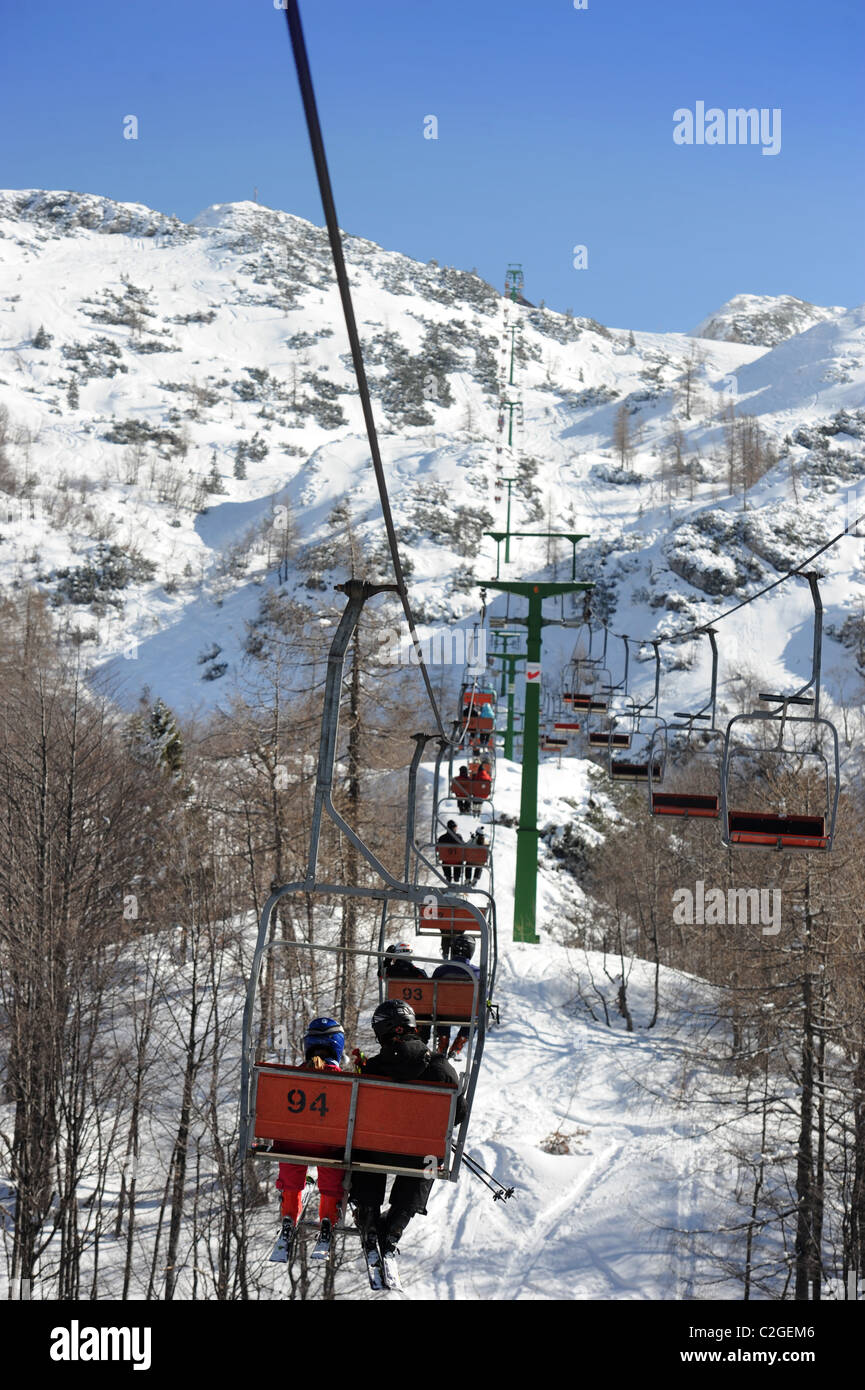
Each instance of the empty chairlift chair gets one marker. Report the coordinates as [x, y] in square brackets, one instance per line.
[701, 743]
[802, 740]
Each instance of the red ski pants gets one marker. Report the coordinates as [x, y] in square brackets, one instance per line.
[291, 1182]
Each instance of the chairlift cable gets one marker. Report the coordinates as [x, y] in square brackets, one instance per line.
[307, 91]
[797, 571]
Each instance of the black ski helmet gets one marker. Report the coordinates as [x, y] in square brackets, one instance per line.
[392, 1018]
[400, 948]
[462, 948]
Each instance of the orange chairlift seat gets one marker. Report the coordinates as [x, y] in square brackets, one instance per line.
[462, 854]
[480, 724]
[686, 803]
[436, 917]
[797, 830]
[600, 738]
[445, 1001]
[369, 1123]
[627, 771]
[477, 696]
[471, 788]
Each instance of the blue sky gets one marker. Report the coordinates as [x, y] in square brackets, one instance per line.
[555, 129]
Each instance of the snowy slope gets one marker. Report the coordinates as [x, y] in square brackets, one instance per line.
[191, 345]
[613, 1216]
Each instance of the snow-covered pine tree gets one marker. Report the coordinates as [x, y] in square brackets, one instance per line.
[156, 738]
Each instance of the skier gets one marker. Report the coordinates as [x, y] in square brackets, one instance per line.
[323, 1046]
[403, 1057]
[400, 966]
[480, 840]
[485, 712]
[459, 786]
[452, 872]
[483, 787]
[459, 967]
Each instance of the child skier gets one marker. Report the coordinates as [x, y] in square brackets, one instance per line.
[323, 1047]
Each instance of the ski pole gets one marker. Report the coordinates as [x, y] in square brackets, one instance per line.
[498, 1189]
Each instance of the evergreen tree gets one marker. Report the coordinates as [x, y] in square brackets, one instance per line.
[72, 397]
[157, 739]
[239, 466]
[42, 339]
[214, 482]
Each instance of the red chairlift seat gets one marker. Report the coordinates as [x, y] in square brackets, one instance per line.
[556, 742]
[633, 771]
[368, 1123]
[462, 854]
[437, 918]
[568, 726]
[478, 724]
[778, 832]
[597, 739]
[471, 788]
[481, 696]
[684, 804]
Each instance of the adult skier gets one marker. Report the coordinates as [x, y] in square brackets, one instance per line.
[459, 789]
[399, 965]
[451, 836]
[403, 1057]
[459, 967]
[323, 1046]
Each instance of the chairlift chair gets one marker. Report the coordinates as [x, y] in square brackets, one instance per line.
[687, 800]
[779, 828]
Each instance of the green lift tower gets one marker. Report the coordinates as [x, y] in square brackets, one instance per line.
[525, 896]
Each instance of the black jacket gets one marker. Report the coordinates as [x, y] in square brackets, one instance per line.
[450, 837]
[398, 968]
[411, 1060]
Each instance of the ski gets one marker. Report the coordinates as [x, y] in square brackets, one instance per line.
[322, 1247]
[281, 1252]
[374, 1269]
[390, 1270]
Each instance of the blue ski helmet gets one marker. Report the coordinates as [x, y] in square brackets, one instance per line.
[325, 1033]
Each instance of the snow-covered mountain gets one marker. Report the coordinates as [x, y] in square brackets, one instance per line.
[175, 393]
[762, 319]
